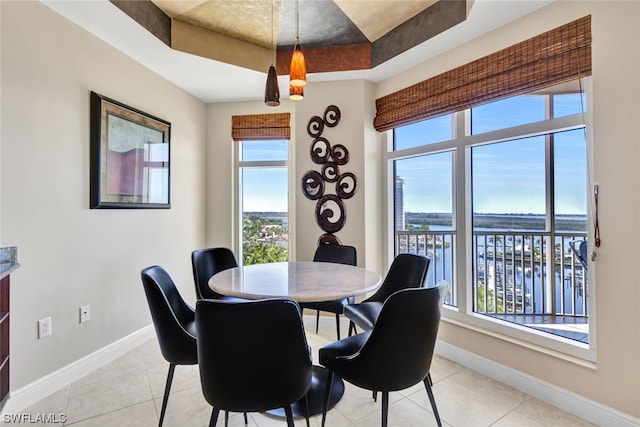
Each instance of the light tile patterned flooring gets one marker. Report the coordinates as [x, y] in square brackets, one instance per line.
[128, 392]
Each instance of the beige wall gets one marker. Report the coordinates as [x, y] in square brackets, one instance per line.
[72, 255]
[615, 381]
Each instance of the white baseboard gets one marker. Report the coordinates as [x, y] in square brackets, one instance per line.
[26, 396]
[568, 401]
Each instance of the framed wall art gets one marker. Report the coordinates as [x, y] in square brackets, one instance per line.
[130, 167]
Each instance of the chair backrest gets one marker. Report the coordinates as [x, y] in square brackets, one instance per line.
[253, 355]
[399, 349]
[340, 254]
[206, 263]
[406, 271]
[172, 316]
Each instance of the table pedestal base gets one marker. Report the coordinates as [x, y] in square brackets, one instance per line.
[315, 395]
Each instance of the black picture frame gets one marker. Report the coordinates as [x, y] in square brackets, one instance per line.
[130, 157]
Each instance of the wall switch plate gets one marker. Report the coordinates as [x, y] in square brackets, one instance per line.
[44, 327]
[85, 313]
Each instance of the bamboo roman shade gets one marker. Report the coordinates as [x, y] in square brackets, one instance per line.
[554, 57]
[260, 126]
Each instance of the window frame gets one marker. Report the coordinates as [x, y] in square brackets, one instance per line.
[237, 239]
[461, 144]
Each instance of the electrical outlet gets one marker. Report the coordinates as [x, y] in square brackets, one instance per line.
[44, 327]
[85, 313]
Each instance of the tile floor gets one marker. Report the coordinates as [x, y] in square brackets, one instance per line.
[128, 392]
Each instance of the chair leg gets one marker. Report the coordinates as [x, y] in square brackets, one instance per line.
[338, 325]
[317, 319]
[385, 408]
[375, 395]
[327, 394]
[432, 399]
[306, 407]
[352, 328]
[167, 389]
[214, 417]
[246, 420]
[226, 418]
[289, 414]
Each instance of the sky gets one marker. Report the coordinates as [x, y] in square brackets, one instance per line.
[264, 189]
[507, 177]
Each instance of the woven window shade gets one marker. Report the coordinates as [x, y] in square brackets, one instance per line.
[554, 57]
[260, 126]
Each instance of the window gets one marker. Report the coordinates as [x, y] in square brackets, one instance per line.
[519, 176]
[512, 235]
[263, 199]
[262, 153]
[423, 194]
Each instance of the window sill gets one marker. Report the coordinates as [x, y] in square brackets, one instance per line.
[552, 345]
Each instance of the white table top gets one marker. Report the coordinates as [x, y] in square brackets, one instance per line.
[301, 281]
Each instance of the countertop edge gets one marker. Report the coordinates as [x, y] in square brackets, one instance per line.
[7, 269]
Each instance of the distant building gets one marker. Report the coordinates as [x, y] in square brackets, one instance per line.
[399, 204]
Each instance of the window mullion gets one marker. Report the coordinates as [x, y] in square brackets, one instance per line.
[550, 300]
[461, 186]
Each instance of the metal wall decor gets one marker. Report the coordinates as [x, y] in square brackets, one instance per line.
[330, 210]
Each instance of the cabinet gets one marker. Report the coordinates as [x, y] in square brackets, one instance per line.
[8, 263]
[4, 339]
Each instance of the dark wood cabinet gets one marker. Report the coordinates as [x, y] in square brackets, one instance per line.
[4, 339]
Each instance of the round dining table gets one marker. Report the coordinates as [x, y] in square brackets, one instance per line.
[301, 281]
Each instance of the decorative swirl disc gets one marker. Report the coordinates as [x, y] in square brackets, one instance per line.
[340, 154]
[330, 172]
[320, 150]
[332, 116]
[315, 127]
[331, 214]
[346, 185]
[325, 213]
[312, 185]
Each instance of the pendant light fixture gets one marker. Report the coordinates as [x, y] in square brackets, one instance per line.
[298, 68]
[272, 91]
[296, 93]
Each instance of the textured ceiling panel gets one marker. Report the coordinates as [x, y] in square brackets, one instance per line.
[376, 18]
[341, 34]
[174, 8]
[321, 23]
[249, 21]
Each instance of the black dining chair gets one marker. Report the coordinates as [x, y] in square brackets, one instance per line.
[396, 354]
[340, 254]
[174, 322]
[266, 363]
[406, 271]
[207, 262]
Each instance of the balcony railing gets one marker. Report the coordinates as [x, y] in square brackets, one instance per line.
[513, 272]
[526, 273]
[439, 248]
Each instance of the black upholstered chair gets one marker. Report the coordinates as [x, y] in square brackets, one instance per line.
[396, 354]
[174, 323]
[406, 271]
[207, 262]
[266, 362]
[340, 254]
